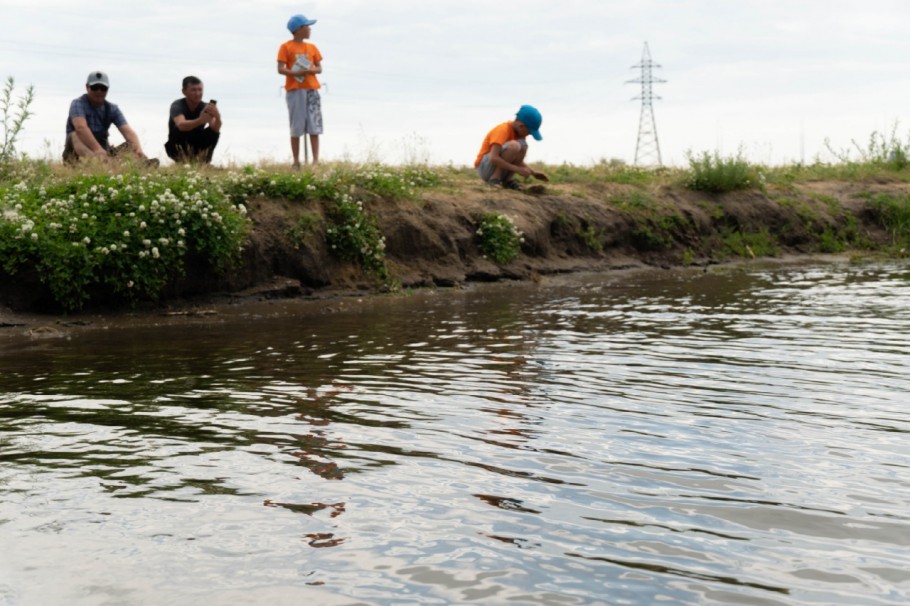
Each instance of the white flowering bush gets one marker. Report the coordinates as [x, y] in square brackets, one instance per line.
[500, 240]
[125, 234]
[353, 235]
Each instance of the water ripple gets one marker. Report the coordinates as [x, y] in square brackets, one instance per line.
[729, 437]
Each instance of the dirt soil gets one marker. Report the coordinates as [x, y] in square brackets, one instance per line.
[432, 241]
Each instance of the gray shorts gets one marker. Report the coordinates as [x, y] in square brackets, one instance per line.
[485, 169]
[304, 111]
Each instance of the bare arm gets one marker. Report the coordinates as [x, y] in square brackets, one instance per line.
[184, 125]
[214, 116]
[496, 159]
[130, 135]
[86, 137]
[316, 68]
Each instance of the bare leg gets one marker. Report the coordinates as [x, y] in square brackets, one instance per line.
[513, 152]
[82, 150]
[295, 151]
[314, 143]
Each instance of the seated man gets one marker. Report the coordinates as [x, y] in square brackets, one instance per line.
[89, 122]
[502, 153]
[194, 125]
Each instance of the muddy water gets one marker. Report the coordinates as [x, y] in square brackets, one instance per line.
[735, 437]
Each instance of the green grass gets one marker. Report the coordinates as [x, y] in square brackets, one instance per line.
[747, 245]
[593, 237]
[304, 228]
[894, 215]
[716, 174]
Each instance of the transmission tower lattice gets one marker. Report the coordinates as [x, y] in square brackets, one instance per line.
[647, 150]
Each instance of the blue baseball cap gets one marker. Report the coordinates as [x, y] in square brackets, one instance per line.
[298, 21]
[530, 117]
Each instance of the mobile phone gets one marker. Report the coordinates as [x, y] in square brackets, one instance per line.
[213, 101]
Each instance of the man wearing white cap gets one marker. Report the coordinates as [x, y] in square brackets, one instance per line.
[89, 123]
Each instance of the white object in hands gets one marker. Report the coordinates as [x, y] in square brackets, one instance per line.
[301, 62]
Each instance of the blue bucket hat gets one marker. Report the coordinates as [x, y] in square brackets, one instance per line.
[530, 117]
[298, 21]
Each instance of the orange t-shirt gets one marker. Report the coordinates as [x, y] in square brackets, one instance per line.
[288, 53]
[500, 135]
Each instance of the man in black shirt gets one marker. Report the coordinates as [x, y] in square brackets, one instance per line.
[194, 125]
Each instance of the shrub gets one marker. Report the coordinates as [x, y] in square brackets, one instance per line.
[593, 237]
[750, 244]
[712, 173]
[302, 229]
[126, 234]
[894, 216]
[354, 236]
[500, 240]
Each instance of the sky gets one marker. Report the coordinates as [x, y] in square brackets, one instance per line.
[424, 80]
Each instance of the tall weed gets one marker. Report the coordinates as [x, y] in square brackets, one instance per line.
[716, 174]
[13, 115]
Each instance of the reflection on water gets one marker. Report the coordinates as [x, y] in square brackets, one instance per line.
[734, 437]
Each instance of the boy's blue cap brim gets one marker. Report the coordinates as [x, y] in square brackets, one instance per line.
[298, 21]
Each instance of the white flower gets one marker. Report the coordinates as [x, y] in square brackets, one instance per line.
[86, 240]
[155, 252]
[129, 284]
[34, 236]
[126, 234]
[147, 243]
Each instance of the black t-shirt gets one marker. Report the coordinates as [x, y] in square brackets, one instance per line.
[179, 107]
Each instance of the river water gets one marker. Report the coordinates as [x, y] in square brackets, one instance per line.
[737, 436]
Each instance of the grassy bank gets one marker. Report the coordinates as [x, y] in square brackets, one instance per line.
[117, 236]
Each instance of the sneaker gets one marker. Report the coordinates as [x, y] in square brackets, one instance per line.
[494, 182]
[511, 184]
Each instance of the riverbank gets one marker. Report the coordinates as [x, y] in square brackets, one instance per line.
[428, 231]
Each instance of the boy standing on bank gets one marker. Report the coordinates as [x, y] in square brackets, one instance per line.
[502, 153]
[299, 62]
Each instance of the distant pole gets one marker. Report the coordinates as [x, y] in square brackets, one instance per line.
[647, 149]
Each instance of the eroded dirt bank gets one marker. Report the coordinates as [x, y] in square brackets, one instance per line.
[432, 240]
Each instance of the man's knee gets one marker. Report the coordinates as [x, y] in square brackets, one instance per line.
[74, 149]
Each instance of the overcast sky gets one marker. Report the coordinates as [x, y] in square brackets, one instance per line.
[426, 79]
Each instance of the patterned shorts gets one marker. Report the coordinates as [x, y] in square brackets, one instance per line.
[304, 111]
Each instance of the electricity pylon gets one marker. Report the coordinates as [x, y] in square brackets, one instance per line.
[648, 147]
